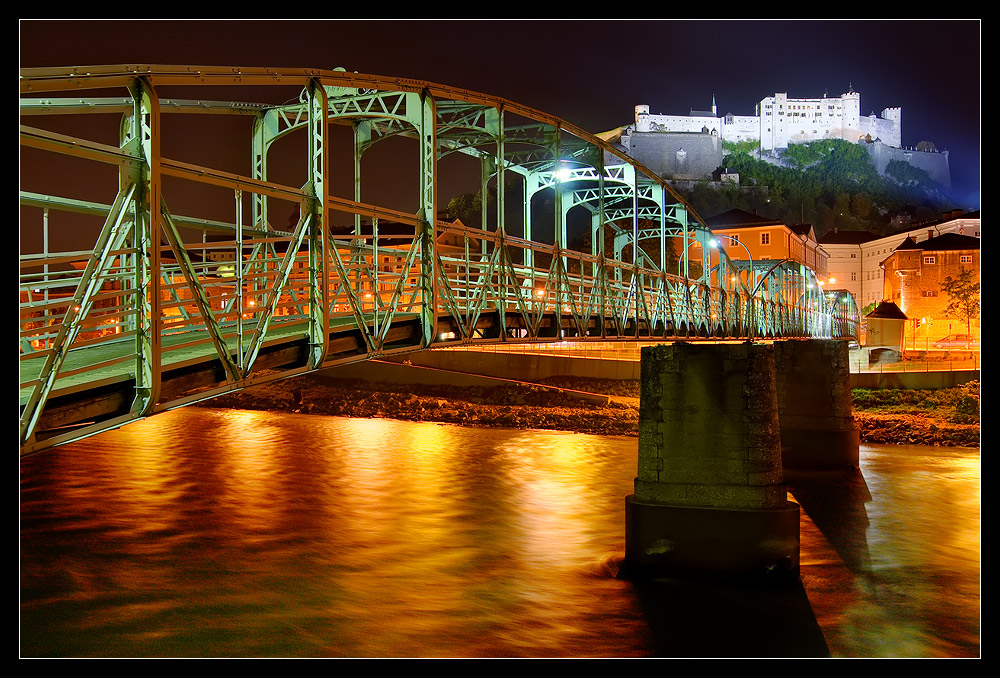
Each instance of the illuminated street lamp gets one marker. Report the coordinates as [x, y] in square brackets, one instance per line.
[714, 243]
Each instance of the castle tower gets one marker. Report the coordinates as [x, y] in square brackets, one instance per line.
[642, 118]
[851, 115]
[773, 131]
[895, 116]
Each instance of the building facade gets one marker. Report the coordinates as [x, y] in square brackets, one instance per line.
[855, 257]
[784, 121]
[913, 277]
[742, 233]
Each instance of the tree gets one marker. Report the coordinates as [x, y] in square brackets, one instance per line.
[963, 298]
[861, 205]
[466, 207]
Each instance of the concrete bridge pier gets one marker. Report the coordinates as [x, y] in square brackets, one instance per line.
[818, 431]
[709, 495]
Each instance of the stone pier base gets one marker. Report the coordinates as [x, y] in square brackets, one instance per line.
[711, 542]
[709, 495]
[814, 405]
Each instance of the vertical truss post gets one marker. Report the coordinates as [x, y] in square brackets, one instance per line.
[530, 188]
[558, 236]
[501, 180]
[318, 186]
[146, 134]
[681, 215]
[658, 195]
[636, 280]
[240, 280]
[486, 165]
[597, 248]
[45, 247]
[428, 217]
[362, 136]
[501, 216]
[265, 128]
[486, 171]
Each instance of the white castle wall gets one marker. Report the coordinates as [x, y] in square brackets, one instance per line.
[781, 121]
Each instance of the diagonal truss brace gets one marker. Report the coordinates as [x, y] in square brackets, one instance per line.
[110, 241]
[233, 371]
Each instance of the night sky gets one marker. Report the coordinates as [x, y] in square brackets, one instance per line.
[592, 73]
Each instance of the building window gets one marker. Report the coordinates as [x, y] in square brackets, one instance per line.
[765, 238]
[854, 277]
[965, 258]
[929, 259]
[929, 293]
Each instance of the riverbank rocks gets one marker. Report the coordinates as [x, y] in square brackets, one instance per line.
[528, 406]
[904, 429]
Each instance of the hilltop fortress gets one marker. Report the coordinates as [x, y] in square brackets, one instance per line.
[689, 146]
[780, 121]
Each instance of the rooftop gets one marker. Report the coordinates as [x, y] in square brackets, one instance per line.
[837, 237]
[887, 309]
[737, 218]
[947, 241]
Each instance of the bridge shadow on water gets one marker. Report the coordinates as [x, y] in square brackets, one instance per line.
[835, 502]
[711, 619]
[760, 619]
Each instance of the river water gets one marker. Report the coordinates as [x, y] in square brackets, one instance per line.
[224, 533]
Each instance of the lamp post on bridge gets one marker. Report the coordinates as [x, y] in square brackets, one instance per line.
[714, 243]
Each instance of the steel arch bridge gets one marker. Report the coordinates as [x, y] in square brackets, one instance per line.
[130, 305]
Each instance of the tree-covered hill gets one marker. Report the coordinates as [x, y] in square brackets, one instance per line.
[830, 183]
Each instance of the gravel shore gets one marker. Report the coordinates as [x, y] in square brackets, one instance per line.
[555, 405]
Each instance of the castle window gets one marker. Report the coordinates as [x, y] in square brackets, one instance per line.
[765, 238]
[929, 293]
[965, 258]
[930, 259]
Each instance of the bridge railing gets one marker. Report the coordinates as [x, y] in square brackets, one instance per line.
[580, 287]
[117, 289]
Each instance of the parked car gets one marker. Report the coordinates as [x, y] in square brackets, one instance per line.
[957, 341]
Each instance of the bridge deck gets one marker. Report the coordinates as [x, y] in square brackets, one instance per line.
[103, 254]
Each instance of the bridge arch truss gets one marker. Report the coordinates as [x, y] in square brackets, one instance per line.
[159, 264]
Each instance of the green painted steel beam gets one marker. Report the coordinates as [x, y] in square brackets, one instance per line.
[239, 295]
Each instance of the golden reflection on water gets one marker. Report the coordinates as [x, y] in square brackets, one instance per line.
[902, 578]
[218, 533]
[228, 533]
